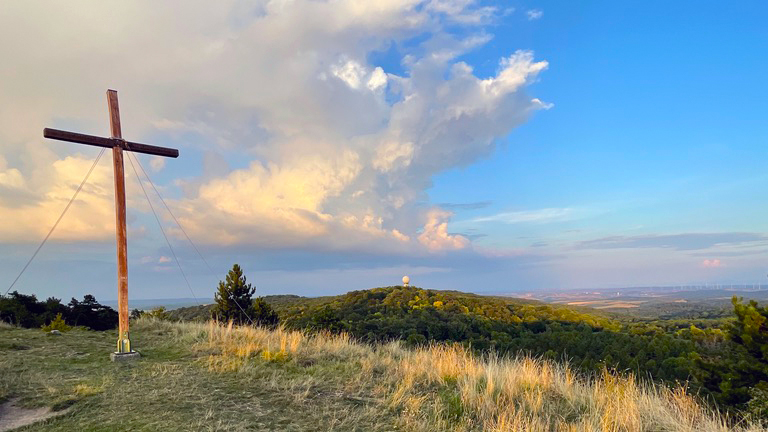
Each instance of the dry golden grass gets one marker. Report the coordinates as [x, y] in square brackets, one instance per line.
[447, 388]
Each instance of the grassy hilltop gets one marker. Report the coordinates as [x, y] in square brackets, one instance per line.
[399, 358]
[205, 376]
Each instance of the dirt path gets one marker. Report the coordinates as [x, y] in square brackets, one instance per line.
[13, 416]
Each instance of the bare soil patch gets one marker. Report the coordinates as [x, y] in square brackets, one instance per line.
[13, 416]
[608, 304]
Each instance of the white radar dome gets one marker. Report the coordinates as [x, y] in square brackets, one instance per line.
[406, 280]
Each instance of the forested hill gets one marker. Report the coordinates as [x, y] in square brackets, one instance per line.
[292, 308]
[399, 312]
[505, 325]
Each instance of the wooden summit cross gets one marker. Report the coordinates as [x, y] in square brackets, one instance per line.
[117, 144]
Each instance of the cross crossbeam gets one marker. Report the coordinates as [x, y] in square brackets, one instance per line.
[109, 142]
[118, 145]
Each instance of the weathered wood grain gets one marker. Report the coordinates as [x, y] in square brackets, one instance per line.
[120, 223]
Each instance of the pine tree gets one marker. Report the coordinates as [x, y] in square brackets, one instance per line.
[263, 314]
[233, 299]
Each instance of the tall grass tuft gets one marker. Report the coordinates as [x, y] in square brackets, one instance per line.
[444, 387]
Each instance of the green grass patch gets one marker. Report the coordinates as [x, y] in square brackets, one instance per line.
[171, 388]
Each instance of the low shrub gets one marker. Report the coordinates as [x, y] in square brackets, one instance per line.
[57, 323]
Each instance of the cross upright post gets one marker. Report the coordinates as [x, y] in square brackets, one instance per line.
[117, 144]
[121, 235]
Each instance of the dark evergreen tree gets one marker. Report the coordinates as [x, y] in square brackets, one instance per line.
[22, 310]
[54, 307]
[263, 314]
[751, 328]
[233, 299]
[90, 313]
[745, 375]
[27, 311]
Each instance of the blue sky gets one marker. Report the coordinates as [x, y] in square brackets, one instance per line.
[487, 147]
[658, 123]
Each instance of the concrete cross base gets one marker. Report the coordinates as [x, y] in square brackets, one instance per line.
[124, 357]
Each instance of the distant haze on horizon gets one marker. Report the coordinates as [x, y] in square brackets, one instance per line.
[331, 146]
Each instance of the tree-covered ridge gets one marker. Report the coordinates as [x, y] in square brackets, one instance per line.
[26, 311]
[401, 301]
[504, 325]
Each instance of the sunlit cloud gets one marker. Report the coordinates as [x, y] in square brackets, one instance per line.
[711, 263]
[435, 235]
[337, 152]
